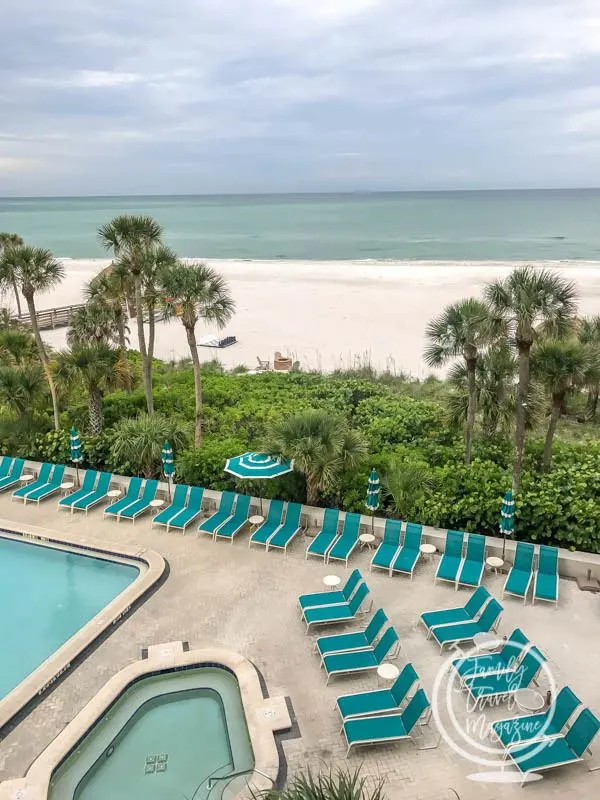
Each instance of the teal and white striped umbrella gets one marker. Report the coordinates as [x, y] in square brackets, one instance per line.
[168, 461]
[373, 491]
[507, 518]
[258, 466]
[76, 456]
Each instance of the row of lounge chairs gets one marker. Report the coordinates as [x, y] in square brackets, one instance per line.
[372, 717]
[522, 576]
[393, 557]
[331, 545]
[453, 626]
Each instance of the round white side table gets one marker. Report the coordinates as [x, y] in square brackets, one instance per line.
[114, 493]
[486, 641]
[156, 504]
[256, 520]
[27, 478]
[331, 581]
[66, 487]
[428, 550]
[388, 672]
[495, 563]
[529, 700]
[366, 540]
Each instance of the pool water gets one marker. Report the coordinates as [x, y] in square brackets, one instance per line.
[46, 596]
[162, 740]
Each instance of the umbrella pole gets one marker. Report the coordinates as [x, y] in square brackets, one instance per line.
[77, 474]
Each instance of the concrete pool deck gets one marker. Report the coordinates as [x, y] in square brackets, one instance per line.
[245, 600]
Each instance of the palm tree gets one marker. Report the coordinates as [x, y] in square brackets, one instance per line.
[139, 441]
[192, 293]
[35, 270]
[322, 447]
[407, 482]
[23, 389]
[530, 302]
[17, 346]
[163, 259]
[93, 323]
[588, 332]
[561, 366]
[8, 240]
[133, 240]
[462, 329]
[96, 367]
[113, 288]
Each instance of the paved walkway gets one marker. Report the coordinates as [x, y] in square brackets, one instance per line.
[245, 600]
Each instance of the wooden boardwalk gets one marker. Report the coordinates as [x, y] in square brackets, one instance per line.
[51, 317]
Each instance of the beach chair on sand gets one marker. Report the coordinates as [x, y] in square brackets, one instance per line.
[327, 598]
[378, 701]
[465, 631]
[40, 489]
[352, 640]
[273, 521]
[471, 568]
[341, 612]
[236, 522]
[408, 555]
[545, 585]
[176, 505]
[385, 728]
[451, 559]
[221, 515]
[99, 494]
[131, 497]
[355, 661]
[518, 730]
[344, 545]
[386, 552]
[568, 749]
[466, 613]
[141, 505]
[189, 512]
[13, 474]
[87, 487]
[504, 660]
[41, 480]
[324, 540]
[292, 526]
[521, 573]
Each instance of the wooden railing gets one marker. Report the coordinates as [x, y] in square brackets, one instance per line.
[51, 317]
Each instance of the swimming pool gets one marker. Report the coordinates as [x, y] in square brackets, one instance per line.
[47, 595]
[178, 734]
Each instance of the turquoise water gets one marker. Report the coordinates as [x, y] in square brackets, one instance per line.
[162, 740]
[550, 224]
[46, 596]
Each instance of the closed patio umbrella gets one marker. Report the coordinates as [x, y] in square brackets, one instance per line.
[168, 463]
[507, 518]
[76, 456]
[373, 494]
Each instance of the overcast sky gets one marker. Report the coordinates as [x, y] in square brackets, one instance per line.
[201, 96]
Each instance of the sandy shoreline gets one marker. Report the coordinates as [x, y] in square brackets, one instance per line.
[329, 314]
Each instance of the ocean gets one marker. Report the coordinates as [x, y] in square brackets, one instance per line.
[457, 226]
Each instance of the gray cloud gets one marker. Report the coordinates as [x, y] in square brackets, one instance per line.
[267, 95]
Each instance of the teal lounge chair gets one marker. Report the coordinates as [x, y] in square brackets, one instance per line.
[5, 465]
[363, 660]
[504, 660]
[465, 631]
[503, 685]
[541, 756]
[386, 552]
[385, 728]
[471, 569]
[99, 494]
[273, 521]
[177, 504]
[353, 640]
[518, 730]
[41, 480]
[545, 585]
[292, 526]
[327, 598]
[521, 573]
[131, 497]
[343, 612]
[87, 487]
[236, 522]
[40, 491]
[221, 515]
[378, 701]
[13, 475]
[189, 513]
[451, 559]
[406, 560]
[345, 544]
[324, 540]
[142, 505]
[466, 613]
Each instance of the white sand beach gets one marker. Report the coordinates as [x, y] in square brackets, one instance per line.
[329, 314]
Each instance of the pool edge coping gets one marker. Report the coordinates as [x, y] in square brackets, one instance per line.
[152, 567]
[264, 718]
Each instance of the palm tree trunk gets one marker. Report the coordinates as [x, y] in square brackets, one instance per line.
[191, 337]
[17, 298]
[522, 393]
[592, 404]
[44, 359]
[557, 402]
[146, 365]
[312, 492]
[123, 354]
[96, 414]
[471, 408]
[151, 330]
